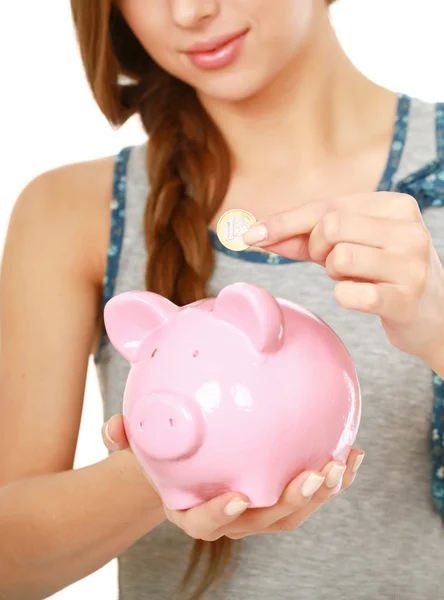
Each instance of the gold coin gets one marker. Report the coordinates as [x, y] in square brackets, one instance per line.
[231, 227]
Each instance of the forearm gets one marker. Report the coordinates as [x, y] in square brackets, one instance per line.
[56, 529]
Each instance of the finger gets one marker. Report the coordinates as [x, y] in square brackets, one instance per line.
[113, 434]
[369, 264]
[204, 521]
[336, 227]
[401, 237]
[295, 496]
[333, 473]
[285, 225]
[354, 461]
[353, 464]
[302, 219]
[293, 521]
[387, 301]
[295, 248]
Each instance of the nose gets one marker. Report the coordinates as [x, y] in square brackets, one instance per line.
[167, 427]
[189, 14]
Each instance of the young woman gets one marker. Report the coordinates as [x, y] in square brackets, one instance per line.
[248, 104]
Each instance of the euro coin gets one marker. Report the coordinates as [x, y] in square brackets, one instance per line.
[231, 227]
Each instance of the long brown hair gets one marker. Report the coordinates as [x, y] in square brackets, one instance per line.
[188, 166]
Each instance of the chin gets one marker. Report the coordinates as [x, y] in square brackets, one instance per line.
[234, 87]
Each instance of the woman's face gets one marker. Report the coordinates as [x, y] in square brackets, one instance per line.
[226, 49]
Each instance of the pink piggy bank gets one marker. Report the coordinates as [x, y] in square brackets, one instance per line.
[236, 393]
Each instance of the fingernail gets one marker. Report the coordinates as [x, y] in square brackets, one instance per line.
[255, 234]
[235, 507]
[357, 463]
[334, 475]
[109, 438]
[311, 485]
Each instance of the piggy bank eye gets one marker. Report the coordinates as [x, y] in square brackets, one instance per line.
[154, 352]
[195, 353]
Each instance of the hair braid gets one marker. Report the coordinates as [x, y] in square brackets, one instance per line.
[188, 168]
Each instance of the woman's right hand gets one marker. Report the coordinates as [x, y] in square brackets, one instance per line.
[228, 515]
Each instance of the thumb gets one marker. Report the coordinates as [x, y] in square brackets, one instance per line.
[113, 434]
[295, 248]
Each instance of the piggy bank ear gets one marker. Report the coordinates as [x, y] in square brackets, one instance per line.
[255, 312]
[131, 317]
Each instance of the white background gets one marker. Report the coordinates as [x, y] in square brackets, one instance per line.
[48, 118]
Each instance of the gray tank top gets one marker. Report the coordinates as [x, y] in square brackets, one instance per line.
[384, 537]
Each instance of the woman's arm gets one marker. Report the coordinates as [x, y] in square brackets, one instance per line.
[58, 528]
[58, 525]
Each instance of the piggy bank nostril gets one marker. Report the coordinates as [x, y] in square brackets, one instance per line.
[141, 424]
[171, 423]
[195, 353]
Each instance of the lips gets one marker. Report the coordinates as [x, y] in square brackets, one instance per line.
[217, 52]
[214, 43]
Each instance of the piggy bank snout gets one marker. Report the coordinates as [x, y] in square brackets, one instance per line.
[167, 427]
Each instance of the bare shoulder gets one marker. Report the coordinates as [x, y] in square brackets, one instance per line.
[71, 205]
[71, 186]
[50, 290]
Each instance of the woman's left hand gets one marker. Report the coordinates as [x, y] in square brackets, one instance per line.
[379, 250]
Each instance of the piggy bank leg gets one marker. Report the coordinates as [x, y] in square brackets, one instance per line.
[261, 493]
